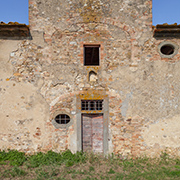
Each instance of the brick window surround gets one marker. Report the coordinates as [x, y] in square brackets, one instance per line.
[91, 55]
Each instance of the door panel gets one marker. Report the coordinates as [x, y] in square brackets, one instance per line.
[92, 132]
[86, 133]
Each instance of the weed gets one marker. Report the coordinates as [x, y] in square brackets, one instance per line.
[91, 168]
[54, 172]
[42, 175]
[69, 163]
[15, 171]
[93, 158]
[73, 176]
[13, 156]
[111, 171]
[72, 159]
[177, 161]
[89, 178]
[119, 176]
[177, 166]
[43, 159]
[165, 158]
[6, 173]
[71, 171]
[128, 163]
[60, 178]
[3, 163]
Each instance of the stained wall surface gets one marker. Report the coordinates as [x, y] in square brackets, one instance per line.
[44, 76]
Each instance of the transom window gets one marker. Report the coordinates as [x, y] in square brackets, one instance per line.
[92, 105]
[91, 55]
[62, 119]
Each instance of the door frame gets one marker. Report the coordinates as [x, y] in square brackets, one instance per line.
[93, 95]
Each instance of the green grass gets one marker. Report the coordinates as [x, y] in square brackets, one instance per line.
[15, 171]
[14, 157]
[65, 165]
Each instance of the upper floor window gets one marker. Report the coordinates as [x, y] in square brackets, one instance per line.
[91, 55]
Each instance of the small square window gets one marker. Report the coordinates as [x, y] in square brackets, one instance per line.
[91, 55]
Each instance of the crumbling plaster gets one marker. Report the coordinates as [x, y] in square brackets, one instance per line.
[42, 76]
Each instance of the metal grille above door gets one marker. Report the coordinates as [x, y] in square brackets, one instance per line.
[92, 105]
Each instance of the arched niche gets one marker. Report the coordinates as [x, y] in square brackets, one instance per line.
[93, 76]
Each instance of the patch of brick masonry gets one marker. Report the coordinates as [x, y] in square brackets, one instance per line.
[65, 104]
[83, 30]
[105, 18]
[37, 133]
[28, 61]
[65, 37]
[59, 138]
[126, 133]
[151, 53]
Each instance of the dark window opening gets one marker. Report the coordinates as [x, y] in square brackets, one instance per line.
[91, 55]
[89, 105]
[167, 49]
[62, 119]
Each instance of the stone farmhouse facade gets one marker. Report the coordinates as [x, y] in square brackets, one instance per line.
[90, 75]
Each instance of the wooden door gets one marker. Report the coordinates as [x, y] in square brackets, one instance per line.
[92, 133]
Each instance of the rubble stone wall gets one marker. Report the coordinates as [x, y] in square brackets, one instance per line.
[43, 76]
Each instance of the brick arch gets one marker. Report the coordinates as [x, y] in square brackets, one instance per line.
[110, 21]
[63, 96]
[130, 32]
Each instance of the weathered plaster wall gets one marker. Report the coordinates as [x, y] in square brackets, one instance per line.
[23, 109]
[43, 76]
